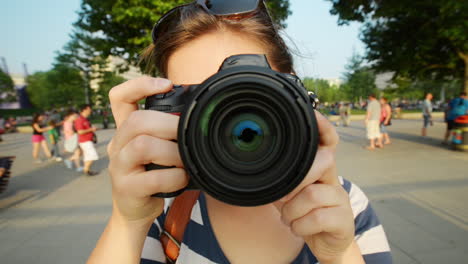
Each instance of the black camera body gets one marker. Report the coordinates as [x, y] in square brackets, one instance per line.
[247, 135]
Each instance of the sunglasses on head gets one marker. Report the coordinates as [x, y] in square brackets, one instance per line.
[228, 9]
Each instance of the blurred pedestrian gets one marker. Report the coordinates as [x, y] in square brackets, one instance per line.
[71, 141]
[457, 107]
[427, 113]
[105, 119]
[38, 139]
[54, 138]
[345, 113]
[85, 138]
[57, 118]
[2, 127]
[385, 119]
[373, 123]
[10, 125]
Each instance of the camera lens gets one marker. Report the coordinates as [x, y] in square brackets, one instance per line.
[248, 140]
[246, 137]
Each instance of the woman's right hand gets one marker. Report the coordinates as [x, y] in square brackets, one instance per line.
[142, 137]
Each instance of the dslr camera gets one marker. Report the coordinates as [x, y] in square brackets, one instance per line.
[247, 135]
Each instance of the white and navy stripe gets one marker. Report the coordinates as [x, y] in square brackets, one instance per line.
[200, 245]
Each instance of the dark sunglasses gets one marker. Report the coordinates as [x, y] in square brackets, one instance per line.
[228, 9]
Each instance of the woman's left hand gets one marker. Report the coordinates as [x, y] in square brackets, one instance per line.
[319, 210]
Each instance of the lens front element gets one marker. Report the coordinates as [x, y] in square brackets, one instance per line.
[247, 136]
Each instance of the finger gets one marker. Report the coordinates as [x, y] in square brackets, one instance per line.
[146, 149]
[145, 122]
[151, 182]
[329, 220]
[124, 97]
[322, 171]
[312, 197]
[328, 135]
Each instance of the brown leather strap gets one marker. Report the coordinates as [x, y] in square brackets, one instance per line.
[176, 221]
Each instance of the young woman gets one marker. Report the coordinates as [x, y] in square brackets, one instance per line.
[314, 223]
[38, 139]
[71, 142]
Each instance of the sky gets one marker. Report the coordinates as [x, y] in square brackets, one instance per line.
[32, 31]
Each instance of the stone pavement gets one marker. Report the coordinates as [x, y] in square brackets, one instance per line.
[419, 189]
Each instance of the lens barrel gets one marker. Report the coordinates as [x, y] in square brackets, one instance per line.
[248, 136]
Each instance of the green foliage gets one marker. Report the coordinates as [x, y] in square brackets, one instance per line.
[404, 88]
[359, 80]
[324, 91]
[109, 80]
[80, 53]
[414, 39]
[7, 88]
[61, 86]
[122, 28]
[279, 11]
[18, 112]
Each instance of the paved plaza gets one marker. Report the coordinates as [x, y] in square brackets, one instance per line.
[419, 188]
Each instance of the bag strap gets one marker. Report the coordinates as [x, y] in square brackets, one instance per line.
[176, 221]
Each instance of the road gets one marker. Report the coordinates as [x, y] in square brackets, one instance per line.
[418, 187]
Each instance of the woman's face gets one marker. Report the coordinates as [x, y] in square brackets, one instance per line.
[199, 59]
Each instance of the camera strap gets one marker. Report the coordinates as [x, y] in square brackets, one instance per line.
[176, 221]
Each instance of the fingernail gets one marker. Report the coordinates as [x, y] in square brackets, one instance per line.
[162, 83]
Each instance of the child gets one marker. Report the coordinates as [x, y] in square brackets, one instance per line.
[54, 138]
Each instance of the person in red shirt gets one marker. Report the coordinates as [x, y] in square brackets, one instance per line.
[85, 138]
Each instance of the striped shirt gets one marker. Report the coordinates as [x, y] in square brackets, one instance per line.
[200, 245]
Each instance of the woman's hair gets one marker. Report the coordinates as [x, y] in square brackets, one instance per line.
[36, 118]
[194, 22]
[69, 113]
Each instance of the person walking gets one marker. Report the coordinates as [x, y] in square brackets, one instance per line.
[85, 138]
[345, 113]
[54, 138]
[38, 139]
[2, 127]
[57, 119]
[372, 123]
[456, 107]
[385, 120]
[71, 141]
[427, 114]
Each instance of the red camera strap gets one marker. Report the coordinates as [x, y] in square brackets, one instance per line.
[176, 221]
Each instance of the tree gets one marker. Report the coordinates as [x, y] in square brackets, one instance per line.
[7, 88]
[414, 39]
[359, 80]
[323, 89]
[60, 87]
[109, 80]
[80, 53]
[405, 88]
[122, 28]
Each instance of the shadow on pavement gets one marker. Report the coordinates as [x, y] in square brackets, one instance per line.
[415, 186]
[40, 182]
[429, 141]
[424, 231]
